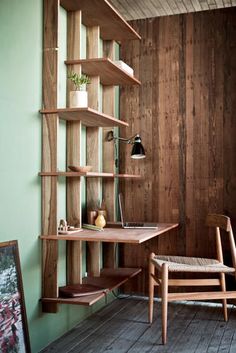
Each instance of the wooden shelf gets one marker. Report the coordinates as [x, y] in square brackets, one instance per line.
[101, 13]
[109, 72]
[109, 279]
[91, 175]
[87, 116]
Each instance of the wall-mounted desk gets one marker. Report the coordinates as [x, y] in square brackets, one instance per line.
[116, 235]
[110, 278]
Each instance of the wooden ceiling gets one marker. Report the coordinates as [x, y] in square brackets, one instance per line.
[136, 9]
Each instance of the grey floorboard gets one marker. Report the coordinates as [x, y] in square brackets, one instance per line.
[122, 327]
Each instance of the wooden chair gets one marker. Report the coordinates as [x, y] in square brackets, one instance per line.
[166, 264]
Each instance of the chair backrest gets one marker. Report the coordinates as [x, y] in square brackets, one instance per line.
[220, 221]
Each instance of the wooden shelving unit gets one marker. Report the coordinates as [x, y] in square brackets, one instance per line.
[109, 280]
[104, 22]
[91, 175]
[87, 116]
[102, 14]
[108, 71]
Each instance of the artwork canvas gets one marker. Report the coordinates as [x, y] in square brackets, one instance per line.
[14, 337]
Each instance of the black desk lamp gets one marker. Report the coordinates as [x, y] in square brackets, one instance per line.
[137, 152]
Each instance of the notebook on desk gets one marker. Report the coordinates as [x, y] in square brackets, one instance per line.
[132, 225]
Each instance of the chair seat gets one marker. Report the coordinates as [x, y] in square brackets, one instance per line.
[191, 264]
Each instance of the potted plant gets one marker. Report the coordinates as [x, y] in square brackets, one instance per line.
[78, 97]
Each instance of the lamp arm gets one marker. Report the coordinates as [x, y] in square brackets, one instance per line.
[120, 138]
[123, 139]
[110, 137]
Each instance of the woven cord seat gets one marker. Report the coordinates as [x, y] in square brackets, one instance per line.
[191, 264]
[161, 265]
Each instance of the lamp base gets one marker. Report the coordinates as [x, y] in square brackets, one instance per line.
[110, 136]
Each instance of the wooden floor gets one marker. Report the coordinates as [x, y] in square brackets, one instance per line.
[122, 326]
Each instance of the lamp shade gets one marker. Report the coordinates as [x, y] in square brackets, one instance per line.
[138, 151]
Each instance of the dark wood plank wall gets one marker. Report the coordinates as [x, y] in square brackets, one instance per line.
[185, 111]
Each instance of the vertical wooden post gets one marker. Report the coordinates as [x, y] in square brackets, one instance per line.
[151, 287]
[93, 157]
[164, 301]
[73, 134]
[109, 249]
[49, 153]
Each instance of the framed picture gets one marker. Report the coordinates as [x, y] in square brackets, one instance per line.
[14, 336]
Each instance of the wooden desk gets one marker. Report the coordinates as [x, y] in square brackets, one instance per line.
[116, 235]
[110, 278]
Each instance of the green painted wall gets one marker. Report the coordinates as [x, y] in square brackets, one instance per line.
[20, 151]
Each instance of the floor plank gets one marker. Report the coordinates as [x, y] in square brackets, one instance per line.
[122, 327]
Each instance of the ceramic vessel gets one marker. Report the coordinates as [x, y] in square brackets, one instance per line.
[100, 220]
[104, 213]
[78, 99]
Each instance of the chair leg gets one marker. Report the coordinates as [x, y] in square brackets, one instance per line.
[224, 301]
[164, 291]
[151, 288]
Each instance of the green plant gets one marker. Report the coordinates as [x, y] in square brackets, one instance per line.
[78, 80]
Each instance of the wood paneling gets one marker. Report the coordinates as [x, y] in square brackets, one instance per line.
[138, 9]
[184, 111]
[228, 104]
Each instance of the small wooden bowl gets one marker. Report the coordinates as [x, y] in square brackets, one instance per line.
[80, 169]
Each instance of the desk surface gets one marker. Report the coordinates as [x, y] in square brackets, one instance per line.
[116, 235]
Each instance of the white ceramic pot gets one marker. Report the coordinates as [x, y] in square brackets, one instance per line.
[78, 99]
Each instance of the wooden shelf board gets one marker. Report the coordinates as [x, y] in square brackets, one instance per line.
[109, 279]
[102, 13]
[107, 70]
[87, 116]
[116, 235]
[91, 175]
